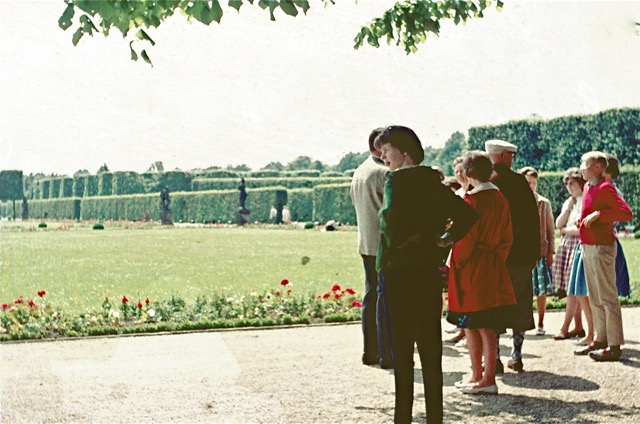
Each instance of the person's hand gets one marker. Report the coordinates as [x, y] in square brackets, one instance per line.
[572, 202]
[590, 219]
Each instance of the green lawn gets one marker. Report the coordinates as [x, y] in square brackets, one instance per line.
[78, 266]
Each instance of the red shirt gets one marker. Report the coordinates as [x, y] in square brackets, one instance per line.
[602, 197]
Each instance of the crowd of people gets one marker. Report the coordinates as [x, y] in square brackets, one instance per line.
[488, 237]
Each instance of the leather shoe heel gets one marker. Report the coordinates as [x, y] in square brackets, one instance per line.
[606, 355]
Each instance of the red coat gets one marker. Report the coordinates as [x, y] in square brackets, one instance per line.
[478, 276]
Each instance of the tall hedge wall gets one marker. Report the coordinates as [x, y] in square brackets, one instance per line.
[129, 207]
[300, 201]
[78, 185]
[91, 185]
[202, 184]
[54, 188]
[66, 208]
[105, 184]
[11, 185]
[127, 182]
[557, 144]
[333, 202]
[66, 187]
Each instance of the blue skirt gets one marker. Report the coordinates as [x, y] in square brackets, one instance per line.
[577, 280]
[541, 279]
[622, 273]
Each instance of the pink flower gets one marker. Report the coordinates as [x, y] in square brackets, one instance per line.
[41, 293]
[289, 291]
[356, 304]
[350, 291]
[335, 287]
[277, 293]
[124, 299]
[284, 282]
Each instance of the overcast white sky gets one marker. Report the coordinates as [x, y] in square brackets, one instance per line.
[253, 91]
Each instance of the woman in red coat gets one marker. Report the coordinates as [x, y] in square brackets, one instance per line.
[480, 290]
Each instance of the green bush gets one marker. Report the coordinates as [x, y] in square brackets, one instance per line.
[66, 187]
[42, 225]
[91, 185]
[105, 184]
[204, 184]
[333, 202]
[127, 182]
[218, 173]
[78, 186]
[54, 188]
[300, 203]
[45, 188]
[98, 226]
[67, 208]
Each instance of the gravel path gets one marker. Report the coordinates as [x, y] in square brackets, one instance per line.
[297, 375]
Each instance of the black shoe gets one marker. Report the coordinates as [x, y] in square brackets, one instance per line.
[576, 333]
[584, 351]
[370, 359]
[515, 364]
[499, 367]
[386, 364]
[606, 355]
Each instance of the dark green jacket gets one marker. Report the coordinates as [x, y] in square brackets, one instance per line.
[413, 217]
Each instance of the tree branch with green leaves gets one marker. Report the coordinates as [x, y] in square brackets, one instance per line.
[406, 24]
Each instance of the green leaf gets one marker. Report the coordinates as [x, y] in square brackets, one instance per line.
[235, 4]
[65, 20]
[77, 36]
[302, 4]
[144, 55]
[216, 10]
[142, 35]
[288, 7]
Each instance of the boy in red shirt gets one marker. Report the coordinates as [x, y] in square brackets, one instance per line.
[601, 207]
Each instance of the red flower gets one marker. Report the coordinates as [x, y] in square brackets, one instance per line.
[350, 291]
[124, 299]
[338, 295]
[335, 287]
[31, 303]
[289, 291]
[146, 301]
[356, 304]
[277, 293]
[5, 306]
[19, 300]
[139, 304]
[284, 282]
[327, 295]
[41, 293]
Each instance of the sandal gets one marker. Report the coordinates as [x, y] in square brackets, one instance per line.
[576, 333]
[561, 336]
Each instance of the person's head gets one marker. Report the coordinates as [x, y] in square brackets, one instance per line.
[452, 183]
[372, 139]
[399, 147]
[477, 166]
[500, 152]
[612, 170]
[593, 165]
[573, 181]
[439, 171]
[531, 175]
[458, 171]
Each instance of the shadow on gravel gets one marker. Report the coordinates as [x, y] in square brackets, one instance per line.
[542, 380]
[529, 409]
[630, 357]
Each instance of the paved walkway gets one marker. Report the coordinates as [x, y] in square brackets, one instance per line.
[297, 375]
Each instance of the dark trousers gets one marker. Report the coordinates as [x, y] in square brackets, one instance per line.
[414, 300]
[374, 328]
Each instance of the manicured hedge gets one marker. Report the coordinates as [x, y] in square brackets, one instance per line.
[91, 185]
[202, 184]
[333, 202]
[45, 188]
[557, 144]
[127, 182]
[218, 173]
[300, 201]
[175, 180]
[310, 173]
[267, 173]
[130, 207]
[105, 184]
[54, 188]
[78, 185]
[67, 208]
[66, 187]
[11, 185]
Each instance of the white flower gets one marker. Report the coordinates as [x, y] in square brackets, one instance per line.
[94, 319]
[253, 294]
[114, 313]
[151, 313]
[231, 299]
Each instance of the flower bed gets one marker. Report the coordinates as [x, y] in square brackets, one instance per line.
[36, 319]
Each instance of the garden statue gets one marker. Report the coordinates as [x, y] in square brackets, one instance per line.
[242, 216]
[165, 209]
[25, 209]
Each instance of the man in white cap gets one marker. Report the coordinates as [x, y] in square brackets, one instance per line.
[526, 242]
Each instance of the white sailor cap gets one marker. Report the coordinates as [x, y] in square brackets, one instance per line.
[499, 146]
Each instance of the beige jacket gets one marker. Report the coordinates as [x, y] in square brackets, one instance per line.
[547, 230]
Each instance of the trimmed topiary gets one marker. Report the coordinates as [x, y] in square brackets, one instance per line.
[42, 225]
[98, 226]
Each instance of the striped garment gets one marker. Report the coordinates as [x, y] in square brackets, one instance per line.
[563, 262]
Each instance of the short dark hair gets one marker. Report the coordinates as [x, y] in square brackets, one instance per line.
[477, 165]
[372, 138]
[613, 166]
[528, 171]
[573, 174]
[403, 139]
